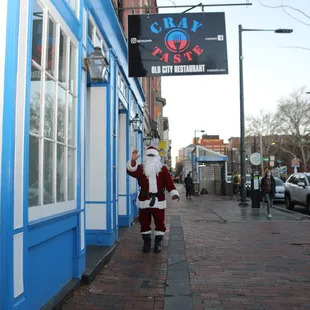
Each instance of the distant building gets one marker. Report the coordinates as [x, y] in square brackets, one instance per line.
[214, 143]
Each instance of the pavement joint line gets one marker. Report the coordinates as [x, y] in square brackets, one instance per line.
[173, 264]
[178, 294]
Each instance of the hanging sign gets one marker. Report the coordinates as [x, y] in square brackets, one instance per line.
[177, 44]
[162, 148]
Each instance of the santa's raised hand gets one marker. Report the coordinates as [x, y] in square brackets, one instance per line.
[134, 155]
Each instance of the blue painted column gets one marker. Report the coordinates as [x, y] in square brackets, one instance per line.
[113, 135]
[7, 288]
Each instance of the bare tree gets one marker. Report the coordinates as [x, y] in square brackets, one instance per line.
[293, 121]
[263, 125]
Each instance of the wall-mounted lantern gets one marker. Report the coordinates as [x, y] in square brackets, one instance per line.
[97, 65]
[148, 139]
[136, 123]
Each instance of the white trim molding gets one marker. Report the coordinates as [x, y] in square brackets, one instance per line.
[146, 232]
[146, 204]
[18, 264]
[159, 233]
[40, 212]
[130, 167]
[174, 192]
[20, 114]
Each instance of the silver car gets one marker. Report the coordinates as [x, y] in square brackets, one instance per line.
[280, 190]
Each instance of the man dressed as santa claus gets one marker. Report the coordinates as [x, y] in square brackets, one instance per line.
[153, 178]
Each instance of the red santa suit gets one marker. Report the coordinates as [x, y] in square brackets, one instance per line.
[151, 200]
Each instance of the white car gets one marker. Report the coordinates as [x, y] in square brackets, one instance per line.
[297, 190]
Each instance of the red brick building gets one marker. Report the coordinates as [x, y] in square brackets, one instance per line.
[151, 85]
[214, 143]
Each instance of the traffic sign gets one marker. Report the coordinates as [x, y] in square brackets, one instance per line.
[266, 159]
[295, 162]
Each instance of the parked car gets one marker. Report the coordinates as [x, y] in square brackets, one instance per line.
[280, 189]
[297, 190]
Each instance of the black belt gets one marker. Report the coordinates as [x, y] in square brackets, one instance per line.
[152, 196]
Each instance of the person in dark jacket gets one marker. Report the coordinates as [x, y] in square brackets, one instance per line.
[189, 186]
[268, 185]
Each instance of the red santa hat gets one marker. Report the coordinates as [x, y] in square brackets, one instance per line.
[151, 150]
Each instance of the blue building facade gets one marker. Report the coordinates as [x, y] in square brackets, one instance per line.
[64, 144]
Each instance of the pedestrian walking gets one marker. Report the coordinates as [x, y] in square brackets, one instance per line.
[189, 184]
[153, 178]
[236, 183]
[268, 185]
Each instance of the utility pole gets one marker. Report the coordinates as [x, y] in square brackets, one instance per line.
[261, 152]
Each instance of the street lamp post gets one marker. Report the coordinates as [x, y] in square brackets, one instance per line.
[242, 130]
[196, 162]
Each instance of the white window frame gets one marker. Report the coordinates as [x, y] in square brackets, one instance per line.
[122, 85]
[42, 211]
[76, 8]
[95, 31]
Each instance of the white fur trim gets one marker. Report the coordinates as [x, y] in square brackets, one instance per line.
[146, 232]
[159, 233]
[130, 167]
[146, 204]
[152, 184]
[174, 192]
[151, 151]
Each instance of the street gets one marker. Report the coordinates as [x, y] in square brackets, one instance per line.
[216, 255]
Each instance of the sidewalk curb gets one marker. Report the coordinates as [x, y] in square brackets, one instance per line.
[302, 216]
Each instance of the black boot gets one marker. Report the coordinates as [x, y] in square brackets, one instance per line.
[147, 243]
[158, 245]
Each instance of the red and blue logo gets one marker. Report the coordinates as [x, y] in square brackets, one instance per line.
[177, 40]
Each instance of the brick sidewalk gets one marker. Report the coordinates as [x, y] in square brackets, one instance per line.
[236, 258]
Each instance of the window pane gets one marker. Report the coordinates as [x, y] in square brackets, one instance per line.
[73, 66]
[48, 196]
[61, 114]
[97, 40]
[90, 29]
[51, 46]
[71, 174]
[37, 24]
[71, 120]
[60, 173]
[62, 57]
[50, 97]
[35, 100]
[73, 4]
[33, 178]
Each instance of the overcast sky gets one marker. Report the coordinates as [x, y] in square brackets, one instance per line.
[270, 70]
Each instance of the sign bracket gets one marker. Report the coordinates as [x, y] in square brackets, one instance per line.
[190, 7]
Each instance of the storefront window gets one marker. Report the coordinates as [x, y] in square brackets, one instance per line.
[52, 143]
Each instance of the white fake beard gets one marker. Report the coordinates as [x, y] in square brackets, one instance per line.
[152, 166]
